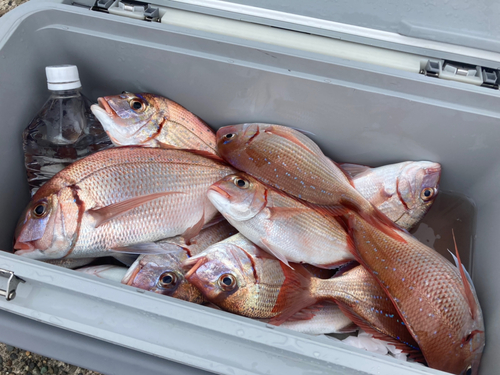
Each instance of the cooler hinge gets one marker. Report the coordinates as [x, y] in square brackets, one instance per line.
[12, 281]
[129, 8]
[454, 71]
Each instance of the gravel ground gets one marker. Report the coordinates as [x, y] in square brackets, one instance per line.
[17, 361]
[6, 5]
[20, 362]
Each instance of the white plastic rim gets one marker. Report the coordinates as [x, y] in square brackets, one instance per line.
[290, 39]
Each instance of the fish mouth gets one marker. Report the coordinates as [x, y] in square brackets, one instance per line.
[23, 247]
[432, 176]
[195, 263]
[32, 254]
[220, 191]
[433, 170]
[104, 105]
[130, 276]
[103, 112]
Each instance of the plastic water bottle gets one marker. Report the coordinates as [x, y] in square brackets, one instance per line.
[63, 131]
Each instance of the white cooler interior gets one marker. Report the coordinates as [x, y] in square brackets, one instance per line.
[358, 113]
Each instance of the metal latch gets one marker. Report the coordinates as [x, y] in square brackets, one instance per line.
[129, 8]
[454, 71]
[12, 283]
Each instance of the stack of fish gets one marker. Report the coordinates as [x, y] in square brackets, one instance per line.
[257, 221]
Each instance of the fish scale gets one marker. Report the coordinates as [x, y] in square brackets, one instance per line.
[358, 292]
[122, 174]
[281, 225]
[429, 294]
[276, 163]
[136, 225]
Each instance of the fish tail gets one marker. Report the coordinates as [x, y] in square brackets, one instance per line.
[375, 217]
[325, 289]
[294, 294]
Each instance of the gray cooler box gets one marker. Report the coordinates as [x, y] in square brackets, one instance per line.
[375, 83]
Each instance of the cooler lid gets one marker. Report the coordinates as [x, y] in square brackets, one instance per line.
[460, 22]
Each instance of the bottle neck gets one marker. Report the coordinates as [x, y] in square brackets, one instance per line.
[71, 93]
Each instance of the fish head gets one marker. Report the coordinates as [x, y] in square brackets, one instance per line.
[163, 274]
[233, 139]
[47, 229]
[224, 273]
[472, 341]
[468, 351]
[238, 197]
[418, 186]
[130, 119]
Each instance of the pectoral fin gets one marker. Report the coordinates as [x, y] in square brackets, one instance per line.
[276, 253]
[148, 248]
[102, 215]
[193, 231]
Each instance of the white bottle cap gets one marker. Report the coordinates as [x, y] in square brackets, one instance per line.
[62, 77]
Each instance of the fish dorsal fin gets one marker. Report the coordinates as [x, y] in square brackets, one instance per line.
[284, 134]
[354, 170]
[467, 287]
[305, 132]
[102, 215]
[457, 264]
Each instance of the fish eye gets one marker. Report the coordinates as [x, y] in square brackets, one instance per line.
[244, 184]
[227, 282]
[427, 194]
[468, 371]
[40, 210]
[229, 135]
[167, 280]
[137, 105]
